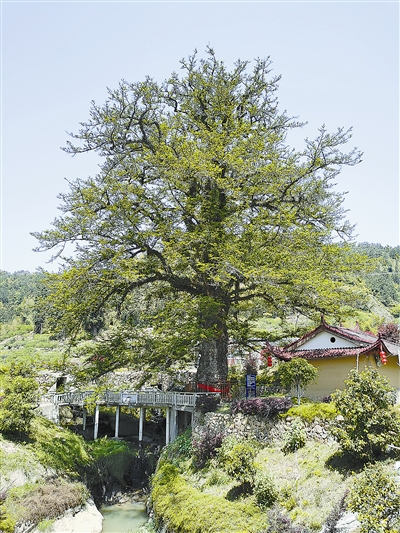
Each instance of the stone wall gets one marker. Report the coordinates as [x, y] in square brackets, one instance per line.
[255, 427]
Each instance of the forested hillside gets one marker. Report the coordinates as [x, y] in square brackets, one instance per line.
[19, 292]
[384, 283]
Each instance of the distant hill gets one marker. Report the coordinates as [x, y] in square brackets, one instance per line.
[19, 290]
[384, 282]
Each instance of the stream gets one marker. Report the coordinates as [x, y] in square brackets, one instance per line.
[123, 517]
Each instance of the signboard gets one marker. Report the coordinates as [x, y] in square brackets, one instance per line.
[251, 386]
[129, 398]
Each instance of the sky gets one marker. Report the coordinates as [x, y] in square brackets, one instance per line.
[339, 63]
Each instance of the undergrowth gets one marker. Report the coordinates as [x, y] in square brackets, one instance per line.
[33, 503]
[308, 412]
[189, 510]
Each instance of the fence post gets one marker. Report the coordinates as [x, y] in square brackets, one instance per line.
[96, 421]
[117, 421]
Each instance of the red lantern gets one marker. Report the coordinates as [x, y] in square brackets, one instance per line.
[269, 360]
[383, 357]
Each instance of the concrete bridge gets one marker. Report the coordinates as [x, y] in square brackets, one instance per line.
[179, 407]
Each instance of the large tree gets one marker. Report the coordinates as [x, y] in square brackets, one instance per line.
[200, 198]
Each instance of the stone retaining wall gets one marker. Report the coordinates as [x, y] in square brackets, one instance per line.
[255, 427]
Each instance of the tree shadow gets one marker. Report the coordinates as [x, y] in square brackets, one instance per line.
[238, 491]
[344, 463]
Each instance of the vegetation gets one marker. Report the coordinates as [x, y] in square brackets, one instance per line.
[199, 198]
[190, 510]
[384, 283]
[236, 457]
[264, 407]
[298, 491]
[297, 373]
[205, 447]
[18, 401]
[33, 503]
[295, 437]
[17, 297]
[51, 467]
[368, 423]
[312, 410]
[375, 497]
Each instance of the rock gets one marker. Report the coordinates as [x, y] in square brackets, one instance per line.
[347, 524]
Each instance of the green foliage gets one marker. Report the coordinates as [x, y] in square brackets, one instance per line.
[295, 437]
[384, 283]
[40, 352]
[59, 448]
[200, 199]
[297, 373]
[11, 330]
[110, 458]
[18, 401]
[217, 477]
[308, 412]
[375, 497]
[280, 523]
[368, 423]
[180, 449]
[236, 457]
[17, 296]
[188, 510]
[264, 490]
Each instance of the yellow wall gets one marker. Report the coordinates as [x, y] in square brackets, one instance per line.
[333, 372]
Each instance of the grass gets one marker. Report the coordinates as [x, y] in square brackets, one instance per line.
[307, 484]
[309, 412]
[37, 502]
[308, 488]
[50, 451]
[10, 330]
[38, 350]
[58, 448]
[186, 509]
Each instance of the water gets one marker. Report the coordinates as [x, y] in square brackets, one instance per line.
[123, 517]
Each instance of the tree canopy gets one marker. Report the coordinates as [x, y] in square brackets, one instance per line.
[200, 199]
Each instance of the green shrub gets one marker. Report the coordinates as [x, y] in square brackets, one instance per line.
[264, 490]
[188, 510]
[236, 457]
[368, 424]
[308, 412]
[180, 448]
[375, 497]
[297, 374]
[59, 448]
[111, 458]
[19, 401]
[217, 477]
[280, 523]
[295, 437]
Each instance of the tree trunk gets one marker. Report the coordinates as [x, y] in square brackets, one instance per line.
[213, 363]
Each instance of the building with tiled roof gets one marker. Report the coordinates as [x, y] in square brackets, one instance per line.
[336, 350]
